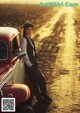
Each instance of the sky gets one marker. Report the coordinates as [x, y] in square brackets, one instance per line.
[34, 1]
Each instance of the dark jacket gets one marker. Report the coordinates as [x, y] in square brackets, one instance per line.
[31, 51]
[28, 46]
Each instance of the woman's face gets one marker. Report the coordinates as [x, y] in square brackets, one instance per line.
[29, 31]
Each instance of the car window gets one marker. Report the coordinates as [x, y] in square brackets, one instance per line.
[14, 46]
[3, 50]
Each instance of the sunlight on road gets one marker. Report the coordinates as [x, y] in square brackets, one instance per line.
[61, 62]
[65, 68]
[47, 28]
[63, 89]
[67, 84]
[66, 54]
[69, 41]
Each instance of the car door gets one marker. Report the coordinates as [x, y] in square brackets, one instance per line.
[17, 64]
[5, 68]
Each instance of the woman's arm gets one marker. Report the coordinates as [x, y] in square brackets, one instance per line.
[24, 49]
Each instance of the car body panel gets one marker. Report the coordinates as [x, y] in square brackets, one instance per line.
[12, 70]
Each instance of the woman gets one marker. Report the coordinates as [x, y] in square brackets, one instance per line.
[38, 83]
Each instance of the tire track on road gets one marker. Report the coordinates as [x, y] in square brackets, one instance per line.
[47, 29]
[66, 87]
[49, 49]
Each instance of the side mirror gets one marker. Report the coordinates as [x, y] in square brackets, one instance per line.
[21, 54]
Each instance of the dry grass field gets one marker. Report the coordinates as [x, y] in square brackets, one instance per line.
[17, 14]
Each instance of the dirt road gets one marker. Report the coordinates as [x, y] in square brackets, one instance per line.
[58, 47]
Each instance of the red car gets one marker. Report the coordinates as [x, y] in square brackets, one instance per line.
[12, 72]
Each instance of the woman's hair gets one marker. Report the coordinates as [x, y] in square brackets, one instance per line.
[25, 26]
[24, 33]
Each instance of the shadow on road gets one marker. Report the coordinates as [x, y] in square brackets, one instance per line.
[40, 108]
